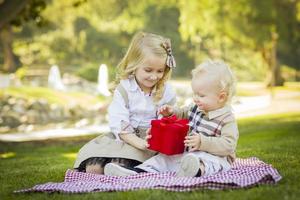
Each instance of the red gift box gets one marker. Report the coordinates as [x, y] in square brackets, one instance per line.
[167, 135]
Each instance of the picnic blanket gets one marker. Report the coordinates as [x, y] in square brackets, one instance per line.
[245, 173]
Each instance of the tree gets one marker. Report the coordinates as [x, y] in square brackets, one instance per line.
[15, 13]
[162, 17]
[273, 28]
[198, 25]
[270, 27]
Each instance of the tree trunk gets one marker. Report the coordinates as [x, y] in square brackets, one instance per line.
[276, 71]
[279, 81]
[9, 9]
[274, 77]
[6, 39]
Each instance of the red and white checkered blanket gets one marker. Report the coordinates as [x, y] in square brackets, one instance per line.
[244, 173]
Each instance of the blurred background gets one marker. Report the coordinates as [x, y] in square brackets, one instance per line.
[58, 57]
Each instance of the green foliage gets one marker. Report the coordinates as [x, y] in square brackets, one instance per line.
[20, 73]
[290, 74]
[16, 12]
[244, 28]
[273, 139]
[32, 11]
[89, 72]
[164, 19]
[84, 34]
[273, 17]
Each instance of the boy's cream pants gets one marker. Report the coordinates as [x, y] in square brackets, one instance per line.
[165, 163]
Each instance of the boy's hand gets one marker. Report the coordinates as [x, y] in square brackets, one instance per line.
[166, 110]
[193, 142]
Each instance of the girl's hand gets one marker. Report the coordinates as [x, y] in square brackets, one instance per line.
[193, 142]
[148, 136]
[144, 145]
[165, 110]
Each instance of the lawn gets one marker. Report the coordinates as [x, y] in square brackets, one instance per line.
[52, 96]
[273, 139]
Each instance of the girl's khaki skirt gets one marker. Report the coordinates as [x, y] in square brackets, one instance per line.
[105, 146]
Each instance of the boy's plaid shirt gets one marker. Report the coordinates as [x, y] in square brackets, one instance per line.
[200, 123]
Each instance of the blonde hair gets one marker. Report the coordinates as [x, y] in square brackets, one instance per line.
[221, 74]
[141, 45]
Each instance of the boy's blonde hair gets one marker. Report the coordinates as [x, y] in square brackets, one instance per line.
[141, 45]
[221, 73]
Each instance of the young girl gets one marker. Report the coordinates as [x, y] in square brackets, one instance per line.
[140, 89]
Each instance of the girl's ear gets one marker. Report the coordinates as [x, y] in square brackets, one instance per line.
[222, 97]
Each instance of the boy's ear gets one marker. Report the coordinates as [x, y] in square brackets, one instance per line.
[222, 97]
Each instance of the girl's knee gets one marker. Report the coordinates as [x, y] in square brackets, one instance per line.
[94, 169]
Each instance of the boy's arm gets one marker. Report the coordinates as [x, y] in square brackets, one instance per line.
[223, 145]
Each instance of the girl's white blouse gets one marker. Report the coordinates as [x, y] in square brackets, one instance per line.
[141, 106]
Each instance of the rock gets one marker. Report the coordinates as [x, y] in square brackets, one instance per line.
[39, 105]
[19, 107]
[19, 113]
[12, 101]
[76, 112]
[29, 128]
[82, 123]
[56, 113]
[10, 119]
[22, 128]
[33, 117]
[5, 109]
[24, 119]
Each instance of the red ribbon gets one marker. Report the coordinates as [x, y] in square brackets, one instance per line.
[173, 120]
[169, 120]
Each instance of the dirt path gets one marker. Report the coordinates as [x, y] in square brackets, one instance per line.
[282, 102]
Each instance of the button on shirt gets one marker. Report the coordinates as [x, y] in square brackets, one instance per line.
[141, 108]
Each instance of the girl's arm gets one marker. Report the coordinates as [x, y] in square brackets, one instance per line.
[134, 141]
[118, 113]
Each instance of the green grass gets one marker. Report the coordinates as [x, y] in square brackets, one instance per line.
[273, 139]
[52, 96]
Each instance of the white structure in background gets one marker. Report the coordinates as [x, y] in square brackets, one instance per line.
[54, 79]
[5, 80]
[102, 87]
[8, 80]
